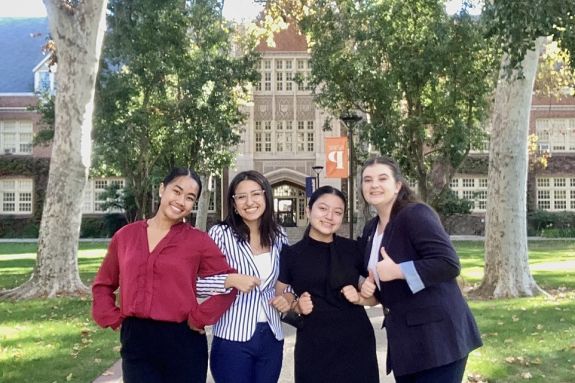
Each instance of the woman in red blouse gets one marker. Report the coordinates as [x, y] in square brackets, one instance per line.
[154, 264]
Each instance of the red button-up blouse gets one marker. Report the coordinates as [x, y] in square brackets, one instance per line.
[160, 285]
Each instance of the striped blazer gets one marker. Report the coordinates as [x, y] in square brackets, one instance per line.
[239, 322]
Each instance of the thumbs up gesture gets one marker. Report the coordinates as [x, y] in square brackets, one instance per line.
[368, 286]
[387, 269]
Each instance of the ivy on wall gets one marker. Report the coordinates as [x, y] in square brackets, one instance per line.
[474, 165]
[28, 167]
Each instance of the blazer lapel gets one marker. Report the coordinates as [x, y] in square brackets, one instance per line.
[370, 231]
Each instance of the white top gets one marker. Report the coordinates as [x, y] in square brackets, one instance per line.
[263, 263]
[239, 322]
[374, 256]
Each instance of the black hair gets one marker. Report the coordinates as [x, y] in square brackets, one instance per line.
[327, 189]
[179, 172]
[405, 196]
[269, 228]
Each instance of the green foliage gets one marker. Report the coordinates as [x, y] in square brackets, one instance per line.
[555, 78]
[18, 227]
[101, 226]
[26, 166]
[551, 224]
[448, 203]
[169, 92]
[424, 77]
[47, 109]
[517, 24]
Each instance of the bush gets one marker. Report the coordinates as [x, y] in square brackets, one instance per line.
[448, 203]
[551, 224]
[101, 227]
[18, 227]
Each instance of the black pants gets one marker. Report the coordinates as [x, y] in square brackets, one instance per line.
[162, 352]
[450, 373]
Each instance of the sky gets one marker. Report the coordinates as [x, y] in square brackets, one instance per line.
[233, 9]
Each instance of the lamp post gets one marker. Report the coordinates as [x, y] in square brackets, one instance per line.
[350, 119]
[317, 169]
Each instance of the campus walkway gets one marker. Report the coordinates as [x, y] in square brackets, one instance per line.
[114, 374]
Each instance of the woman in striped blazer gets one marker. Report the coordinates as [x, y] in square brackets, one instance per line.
[248, 339]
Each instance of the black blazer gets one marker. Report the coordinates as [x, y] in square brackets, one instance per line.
[434, 326]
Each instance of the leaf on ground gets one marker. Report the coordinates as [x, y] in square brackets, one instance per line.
[526, 375]
[69, 377]
[476, 378]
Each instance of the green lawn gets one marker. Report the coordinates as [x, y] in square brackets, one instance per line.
[525, 339]
[529, 338]
[51, 340]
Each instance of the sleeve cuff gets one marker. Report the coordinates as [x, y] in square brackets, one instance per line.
[213, 285]
[412, 277]
[193, 323]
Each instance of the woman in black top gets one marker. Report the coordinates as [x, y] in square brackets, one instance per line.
[336, 342]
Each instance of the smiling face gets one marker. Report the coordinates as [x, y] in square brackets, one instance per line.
[249, 201]
[379, 186]
[178, 198]
[325, 217]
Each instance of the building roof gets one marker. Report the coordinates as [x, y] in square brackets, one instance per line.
[21, 41]
[286, 40]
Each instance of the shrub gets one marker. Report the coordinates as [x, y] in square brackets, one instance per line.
[551, 224]
[448, 203]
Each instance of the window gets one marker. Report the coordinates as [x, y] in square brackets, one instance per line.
[305, 136]
[472, 189]
[97, 197]
[16, 196]
[44, 81]
[555, 194]
[268, 81]
[557, 134]
[280, 136]
[468, 182]
[15, 137]
[279, 81]
[543, 182]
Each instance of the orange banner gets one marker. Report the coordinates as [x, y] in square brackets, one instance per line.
[336, 157]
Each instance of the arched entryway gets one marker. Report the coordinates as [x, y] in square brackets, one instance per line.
[289, 204]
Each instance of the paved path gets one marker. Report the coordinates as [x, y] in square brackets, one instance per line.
[114, 373]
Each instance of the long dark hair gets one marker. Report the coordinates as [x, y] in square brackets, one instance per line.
[269, 228]
[327, 189]
[405, 196]
[178, 172]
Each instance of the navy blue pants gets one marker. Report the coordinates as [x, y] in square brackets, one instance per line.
[162, 352]
[449, 373]
[259, 360]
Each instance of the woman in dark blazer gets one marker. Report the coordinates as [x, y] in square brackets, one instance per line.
[412, 269]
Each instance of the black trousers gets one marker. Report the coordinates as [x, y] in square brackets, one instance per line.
[450, 373]
[162, 352]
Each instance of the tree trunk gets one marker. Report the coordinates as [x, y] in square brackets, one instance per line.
[203, 204]
[78, 32]
[506, 260]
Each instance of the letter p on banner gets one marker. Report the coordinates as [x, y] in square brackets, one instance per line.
[336, 157]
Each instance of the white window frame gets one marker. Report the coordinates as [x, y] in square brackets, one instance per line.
[18, 192]
[92, 204]
[555, 193]
[16, 137]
